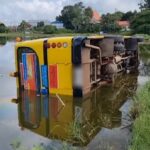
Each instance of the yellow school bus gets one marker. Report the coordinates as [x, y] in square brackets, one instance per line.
[72, 65]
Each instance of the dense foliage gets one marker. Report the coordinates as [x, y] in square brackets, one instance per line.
[3, 28]
[108, 22]
[40, 24]
[24, 26]
[145, 4]
[78, 18]
[129, 15]
[141, 23]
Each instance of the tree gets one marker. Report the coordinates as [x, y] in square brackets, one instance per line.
[40, 24]
[129, 16]
[117, 15]
[109, 22]
[24, 26]
[145, 4]
[88, 12]
[82, 23]
[141, 23]
[76, 17]
[67, 15]
[3, 28]
[39, 27]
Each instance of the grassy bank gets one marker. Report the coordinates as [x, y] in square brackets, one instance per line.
[40, 35]
[141, 129]
[145, 47]
[21, 34]
[145, 51]
[141, 111]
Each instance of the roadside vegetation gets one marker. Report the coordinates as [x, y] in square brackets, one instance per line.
[145, 46]
[141, 129]
[141, 111]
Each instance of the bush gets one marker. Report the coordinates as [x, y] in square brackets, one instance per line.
[145, 47]
[38, 29]
[63, 30]
[90, 28]
[144, 28]
[3, 28]
[141, 23]
[111, 27]
[49, 29]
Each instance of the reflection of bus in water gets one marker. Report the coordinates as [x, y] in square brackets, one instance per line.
[75, 120]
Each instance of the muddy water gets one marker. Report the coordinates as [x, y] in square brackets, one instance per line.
[101, 120]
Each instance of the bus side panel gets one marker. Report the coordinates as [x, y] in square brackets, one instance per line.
[60, 66]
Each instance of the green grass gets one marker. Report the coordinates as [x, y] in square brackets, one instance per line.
[21, 34]
[75, 133]
[41, 35]
[145, 47]
[141, 128]
[146, 36]
[145, 50]
[12, 34]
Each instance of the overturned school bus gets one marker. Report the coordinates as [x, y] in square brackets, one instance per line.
[73, 65]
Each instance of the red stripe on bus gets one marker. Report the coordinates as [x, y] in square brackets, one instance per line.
[53, 77]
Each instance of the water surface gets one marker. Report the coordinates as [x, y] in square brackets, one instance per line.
[100, 120]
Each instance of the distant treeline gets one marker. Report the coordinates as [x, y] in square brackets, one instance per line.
[78, 18]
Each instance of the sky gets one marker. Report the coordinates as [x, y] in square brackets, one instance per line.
[13, 11]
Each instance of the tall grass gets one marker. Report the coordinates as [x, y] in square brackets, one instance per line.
[145, 47]
[141, 129]
[75, 133]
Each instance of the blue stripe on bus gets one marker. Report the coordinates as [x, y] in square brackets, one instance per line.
[24, 61]
[44, 72]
